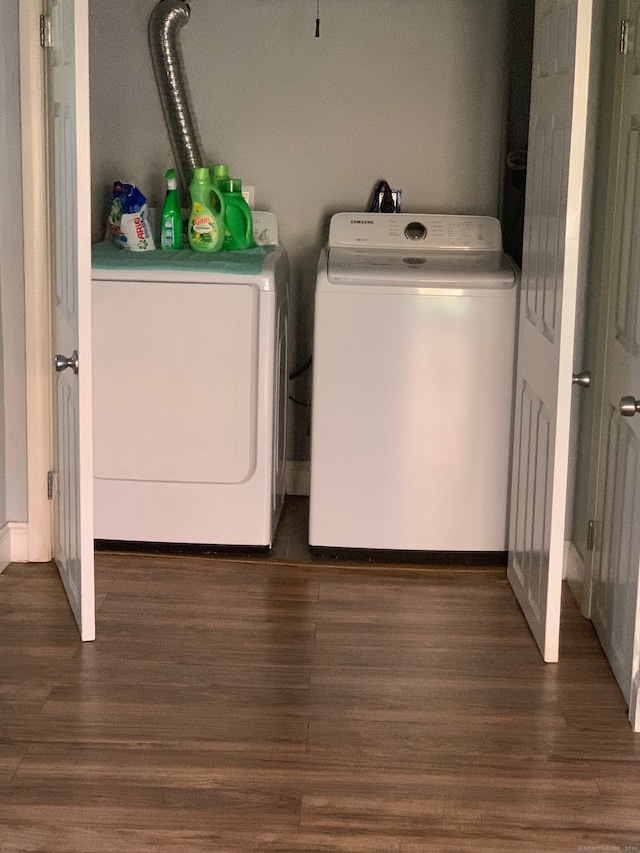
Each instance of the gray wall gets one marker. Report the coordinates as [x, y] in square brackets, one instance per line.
[3, 462]
[13, 430]
[413, 91]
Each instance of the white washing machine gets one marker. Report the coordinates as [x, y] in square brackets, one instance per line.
[412, 384]
[189, 390]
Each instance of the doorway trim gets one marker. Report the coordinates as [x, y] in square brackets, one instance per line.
[37, 282]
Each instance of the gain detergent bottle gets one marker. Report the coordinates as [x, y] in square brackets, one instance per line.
[206, 221]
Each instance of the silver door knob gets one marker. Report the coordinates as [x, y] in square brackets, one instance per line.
[61, 362]
[583, 379]
[629, 406]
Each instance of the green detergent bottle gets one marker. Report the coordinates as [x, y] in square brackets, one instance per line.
[238, 220]
[206, 221]
[171, 227]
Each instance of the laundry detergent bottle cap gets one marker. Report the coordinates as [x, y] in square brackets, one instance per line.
[238, 220]
[171, 227]
[206, 220]
[221, 177]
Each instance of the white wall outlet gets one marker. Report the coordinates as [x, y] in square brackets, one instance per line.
[247, 195]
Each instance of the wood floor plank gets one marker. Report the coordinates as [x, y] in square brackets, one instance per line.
[254, 731]
[10, 759]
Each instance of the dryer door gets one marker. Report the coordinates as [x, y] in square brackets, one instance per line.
[175, 381]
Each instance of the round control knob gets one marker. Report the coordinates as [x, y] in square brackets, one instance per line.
[415, 231]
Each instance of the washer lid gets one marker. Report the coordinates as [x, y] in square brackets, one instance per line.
[407, 268]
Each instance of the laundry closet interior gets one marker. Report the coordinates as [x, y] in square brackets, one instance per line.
[433, 96]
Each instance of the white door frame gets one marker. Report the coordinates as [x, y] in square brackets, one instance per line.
[37, 282]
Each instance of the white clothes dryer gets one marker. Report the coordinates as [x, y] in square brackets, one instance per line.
[412, 384]
[189, 390]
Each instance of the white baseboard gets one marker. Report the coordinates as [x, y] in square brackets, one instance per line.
[5, 547]
[297, 477]
[573, 571]
[634, 704]
[14, 543]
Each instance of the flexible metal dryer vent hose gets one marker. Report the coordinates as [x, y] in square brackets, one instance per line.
[165, 23]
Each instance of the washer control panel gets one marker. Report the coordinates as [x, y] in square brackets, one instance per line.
[421, 231]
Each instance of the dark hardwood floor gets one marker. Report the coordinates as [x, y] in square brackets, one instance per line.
[289, 703]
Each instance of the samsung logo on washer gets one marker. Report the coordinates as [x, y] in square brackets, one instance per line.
[362, 222]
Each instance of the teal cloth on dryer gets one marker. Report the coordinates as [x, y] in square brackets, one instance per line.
[107, 256]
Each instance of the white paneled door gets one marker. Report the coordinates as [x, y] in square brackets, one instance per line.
[616, 558]
[70, 194]
[557, 136]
